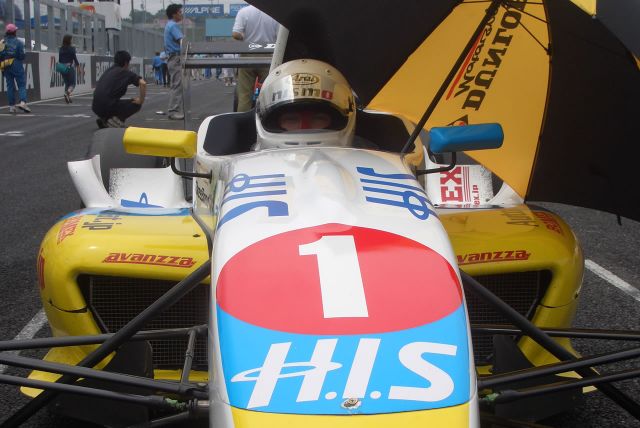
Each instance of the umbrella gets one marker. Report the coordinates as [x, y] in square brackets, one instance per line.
[564, 87]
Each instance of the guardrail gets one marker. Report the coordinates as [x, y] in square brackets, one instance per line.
[43, 82]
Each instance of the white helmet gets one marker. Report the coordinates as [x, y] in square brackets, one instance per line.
[305, 103]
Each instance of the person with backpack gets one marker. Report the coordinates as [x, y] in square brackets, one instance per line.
[67, 63]
[11, 62]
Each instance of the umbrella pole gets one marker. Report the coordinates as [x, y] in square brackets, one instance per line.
[491, 11]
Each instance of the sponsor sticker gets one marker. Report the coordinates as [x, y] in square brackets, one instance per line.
[335, 312]
[519, 217]
[68, 228]
[102, 222]
[493, 256]
[464, 186]
[245, 193]
[549, 221]
[150, 259]
[398, 190]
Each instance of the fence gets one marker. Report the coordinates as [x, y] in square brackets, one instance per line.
[51, 20]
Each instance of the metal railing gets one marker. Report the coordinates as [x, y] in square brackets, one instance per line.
[45, 22]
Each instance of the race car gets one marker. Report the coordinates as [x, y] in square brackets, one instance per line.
[340, 267]
[335, 269]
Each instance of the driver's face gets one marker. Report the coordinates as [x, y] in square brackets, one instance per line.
[295, 121]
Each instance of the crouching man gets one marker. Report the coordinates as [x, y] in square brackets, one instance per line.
[107, 105]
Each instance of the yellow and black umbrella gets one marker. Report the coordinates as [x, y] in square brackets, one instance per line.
[565, 88]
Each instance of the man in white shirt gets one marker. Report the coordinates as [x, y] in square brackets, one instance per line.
[253, 26]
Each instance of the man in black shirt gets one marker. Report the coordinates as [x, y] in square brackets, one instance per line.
[107, 105]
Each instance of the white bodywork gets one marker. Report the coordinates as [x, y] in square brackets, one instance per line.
[128, 187]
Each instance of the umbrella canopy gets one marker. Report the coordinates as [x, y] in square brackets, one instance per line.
[565, 89]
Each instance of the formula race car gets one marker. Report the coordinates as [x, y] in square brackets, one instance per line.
[310, 263]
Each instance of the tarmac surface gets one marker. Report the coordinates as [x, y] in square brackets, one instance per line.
[37, 190]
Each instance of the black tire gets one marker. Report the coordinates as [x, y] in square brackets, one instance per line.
[108, 144]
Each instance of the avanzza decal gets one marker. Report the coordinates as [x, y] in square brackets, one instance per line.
[479, 70]
[150, 259]
[493, 256]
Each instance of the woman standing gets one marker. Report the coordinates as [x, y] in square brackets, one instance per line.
[11, 58]
[67, 56]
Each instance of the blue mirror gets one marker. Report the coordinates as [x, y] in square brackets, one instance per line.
[462, 138]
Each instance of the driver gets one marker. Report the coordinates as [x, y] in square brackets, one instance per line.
[305, 102]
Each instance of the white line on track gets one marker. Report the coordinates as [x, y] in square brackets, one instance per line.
[612, 279]
[80, 115]
[28, 332]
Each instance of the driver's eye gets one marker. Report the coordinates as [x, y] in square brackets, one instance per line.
[290, 121]
[320, 121]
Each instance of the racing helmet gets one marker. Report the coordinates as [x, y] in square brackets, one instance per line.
[305, 102]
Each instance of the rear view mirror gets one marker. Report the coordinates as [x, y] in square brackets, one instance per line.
[160, 142]
[462, 138]
[453, 139]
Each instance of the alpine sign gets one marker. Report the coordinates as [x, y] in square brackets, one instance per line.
[203, 10]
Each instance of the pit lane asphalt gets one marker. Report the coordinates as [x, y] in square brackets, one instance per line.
[37, 190]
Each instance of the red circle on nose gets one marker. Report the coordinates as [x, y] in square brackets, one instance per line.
[404, 283]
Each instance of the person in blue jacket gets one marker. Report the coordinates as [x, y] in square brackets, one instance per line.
[67, 56]
[12, 56]
[157, 69]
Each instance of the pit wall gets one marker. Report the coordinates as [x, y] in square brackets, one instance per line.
[43, 82]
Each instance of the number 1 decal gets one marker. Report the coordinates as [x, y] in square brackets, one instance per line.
[340, 278]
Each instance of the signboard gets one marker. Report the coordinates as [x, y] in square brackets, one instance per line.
[234, 8]
[99, 64]
[195, 10]
[219, 27]
[32, 78]
[51, 82]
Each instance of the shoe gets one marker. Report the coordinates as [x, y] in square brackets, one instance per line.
[114, 122]
[176, 116]
[101, 123]
[24, 107]
[67, 98]
[12, 109]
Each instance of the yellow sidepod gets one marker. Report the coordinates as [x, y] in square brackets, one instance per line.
[118, 243]
[522, 239]
[456, 416]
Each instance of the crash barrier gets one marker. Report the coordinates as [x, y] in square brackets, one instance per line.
[43, 82]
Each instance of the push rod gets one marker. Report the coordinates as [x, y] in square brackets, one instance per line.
[173, 295]
[544, 340]
[141, 382]
[491, 10]
[511, 395]
[573, 333]
[555, 368]
[55, 342]
[188, 357]
[149, 401]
